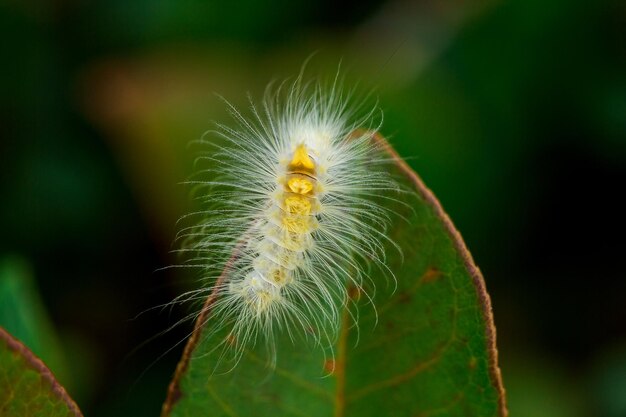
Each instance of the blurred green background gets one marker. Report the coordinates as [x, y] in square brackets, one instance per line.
[513, 112]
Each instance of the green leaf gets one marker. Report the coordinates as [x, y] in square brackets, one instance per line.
[23, 314]
[27, 387]
[432, 351]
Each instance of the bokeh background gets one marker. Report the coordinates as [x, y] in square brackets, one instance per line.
[513, 112]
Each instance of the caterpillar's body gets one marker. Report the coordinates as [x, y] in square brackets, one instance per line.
[291, 220]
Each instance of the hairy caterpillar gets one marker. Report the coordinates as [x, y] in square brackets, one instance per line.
[291, 218]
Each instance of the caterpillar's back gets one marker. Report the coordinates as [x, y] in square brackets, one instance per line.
[291, 219]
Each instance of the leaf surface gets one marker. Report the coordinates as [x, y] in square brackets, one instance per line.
[430, 350]
[27, 387]
[24, 316]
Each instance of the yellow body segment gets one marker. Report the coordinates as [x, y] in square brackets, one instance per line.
[300, 185]
[301, 159]
[297, 205]
[296, 224]
[279, 277]
[263, 300]
[294, 241]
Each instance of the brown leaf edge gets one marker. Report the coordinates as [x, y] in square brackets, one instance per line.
[174, 393]
[37, 364]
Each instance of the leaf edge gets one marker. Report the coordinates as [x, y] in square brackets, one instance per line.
[38, 365]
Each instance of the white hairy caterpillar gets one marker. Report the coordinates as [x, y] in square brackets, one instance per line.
[291, 217]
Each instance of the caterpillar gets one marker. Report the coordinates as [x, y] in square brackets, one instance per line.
[292, 215]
